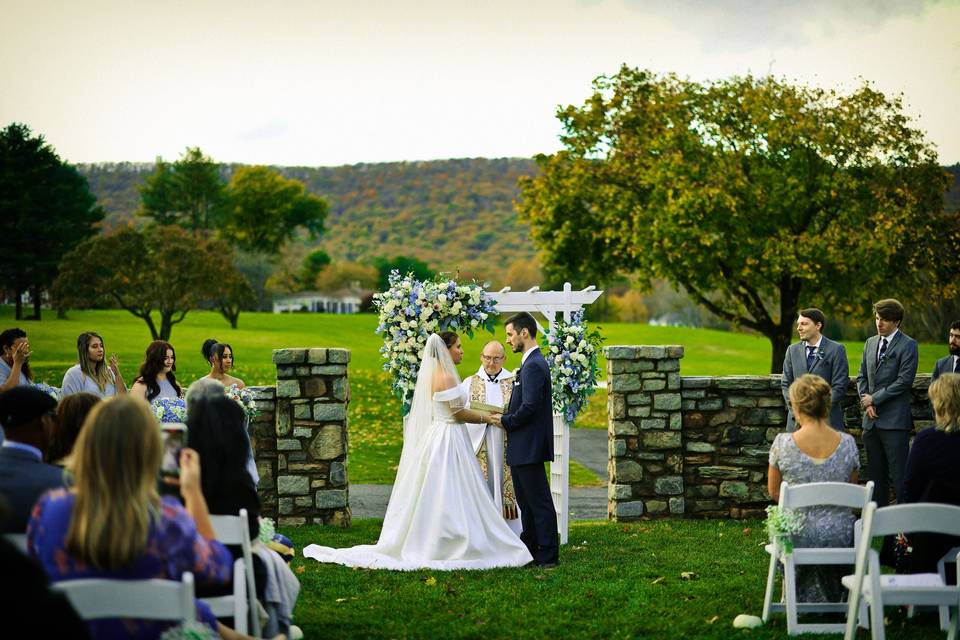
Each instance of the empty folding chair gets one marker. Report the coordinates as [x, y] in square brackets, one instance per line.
[876, 590]
[833, 494]
[235, 530]
[97, 598]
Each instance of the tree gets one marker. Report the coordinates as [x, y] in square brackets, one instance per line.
[234, 292]
[161, 270]
[753, 195]
[266, 209]
[190, 192]
[313, 264]
[346, 274]
[47, 209]
[404, 265]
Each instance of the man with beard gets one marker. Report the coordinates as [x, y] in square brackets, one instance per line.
[950, 363]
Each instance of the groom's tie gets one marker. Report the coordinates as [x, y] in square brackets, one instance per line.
[810, 352]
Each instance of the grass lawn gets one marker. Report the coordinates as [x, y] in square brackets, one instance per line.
[613, 581]
[374, 414]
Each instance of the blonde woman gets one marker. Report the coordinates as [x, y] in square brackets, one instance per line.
[93, 373]
[816, 452]
[931, 472]
[114, 525]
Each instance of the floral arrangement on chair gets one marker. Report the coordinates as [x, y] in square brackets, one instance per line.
[571, 352]
[244, 398]
[410, 310]
[170, 411]
[782, 525]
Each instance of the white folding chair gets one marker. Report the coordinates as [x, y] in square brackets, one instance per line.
[242, 604]
[838, 494]
[876, 590]
[142, 599]
[19, 540]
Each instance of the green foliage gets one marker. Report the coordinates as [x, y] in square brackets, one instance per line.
[403, 264]
[46, 208]
[190, 192]
[313, 264]
[266, 209]
[754, 195]
[163, 270]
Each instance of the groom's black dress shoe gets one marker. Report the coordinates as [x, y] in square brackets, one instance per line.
[542, 565]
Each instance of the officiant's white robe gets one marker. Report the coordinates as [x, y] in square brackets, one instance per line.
[479, 388]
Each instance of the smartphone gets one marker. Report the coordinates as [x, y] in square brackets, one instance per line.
[172, 444]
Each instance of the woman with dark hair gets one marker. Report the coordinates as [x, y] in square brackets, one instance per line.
[14, 359]
[157, 379]
[71, 413]
[220, 357]
[93, 373]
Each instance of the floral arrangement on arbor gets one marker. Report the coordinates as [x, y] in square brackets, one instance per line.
[243, 398]
[170, 410]
[410, 310]
[571, 352]
[782, 525]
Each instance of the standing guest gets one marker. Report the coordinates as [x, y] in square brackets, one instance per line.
[816, 452]
[931, 472]
[71, 413]
[114, 525]
[887, 370]
[220, 357]
[157, 377]
[27, 415]
[821, 356]
[93, 374]
[15, 359]
[950, 363]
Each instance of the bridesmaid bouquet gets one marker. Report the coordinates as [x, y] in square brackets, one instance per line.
[410, 310]
[53, 392]
[571, 352]
[244, 398]
[782, 525]
[170, 410]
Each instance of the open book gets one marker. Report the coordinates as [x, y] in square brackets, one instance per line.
[487, 408]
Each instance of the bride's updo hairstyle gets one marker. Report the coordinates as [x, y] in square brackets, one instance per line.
[810, 395]
[449, 338]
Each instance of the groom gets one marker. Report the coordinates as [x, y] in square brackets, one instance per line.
[529, 421]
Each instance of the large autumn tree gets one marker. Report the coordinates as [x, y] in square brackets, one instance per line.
[756, 196]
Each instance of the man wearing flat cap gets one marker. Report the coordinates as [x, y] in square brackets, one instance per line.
[26, 414]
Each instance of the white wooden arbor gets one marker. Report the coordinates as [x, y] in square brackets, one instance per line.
[550, 303]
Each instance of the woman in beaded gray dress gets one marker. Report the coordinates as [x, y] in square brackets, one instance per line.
[157, 378]
[816, 453]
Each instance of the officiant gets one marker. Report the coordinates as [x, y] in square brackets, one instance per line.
[492, 385]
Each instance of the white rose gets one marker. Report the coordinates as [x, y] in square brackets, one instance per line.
[582, 345]
[456, 307]
[404, 325]
[474, 323]
[442, 297]
[569, 340]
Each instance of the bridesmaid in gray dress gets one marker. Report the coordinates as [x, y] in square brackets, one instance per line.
[157, 378]
[816, 453]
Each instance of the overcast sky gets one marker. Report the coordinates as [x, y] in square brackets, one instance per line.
[310, 82]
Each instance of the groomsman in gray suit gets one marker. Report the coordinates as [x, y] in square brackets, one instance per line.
[950, 363]
[887, 370]
[821, 356]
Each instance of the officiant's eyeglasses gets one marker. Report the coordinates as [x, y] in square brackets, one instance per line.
[491, 358]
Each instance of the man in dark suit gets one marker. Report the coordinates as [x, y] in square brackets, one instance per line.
[27, 417]
[887, 370]
[821, 356]
[950, 363]
[529, 421]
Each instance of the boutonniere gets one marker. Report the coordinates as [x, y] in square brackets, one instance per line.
[818, 354]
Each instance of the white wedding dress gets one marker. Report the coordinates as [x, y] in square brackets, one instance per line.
[440, 515]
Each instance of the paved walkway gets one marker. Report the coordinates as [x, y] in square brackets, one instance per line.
[587, 446]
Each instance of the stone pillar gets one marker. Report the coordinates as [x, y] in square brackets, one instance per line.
[645, 443]
[263, 440]
[311, 427]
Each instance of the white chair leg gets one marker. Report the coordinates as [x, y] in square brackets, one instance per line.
[954, 623]
[771, 578]
[876, 619]
[790, 595]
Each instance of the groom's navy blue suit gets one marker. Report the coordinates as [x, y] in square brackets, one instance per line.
[529, 421]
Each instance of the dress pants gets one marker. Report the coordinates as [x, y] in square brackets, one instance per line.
[887, 451]
[537, 514]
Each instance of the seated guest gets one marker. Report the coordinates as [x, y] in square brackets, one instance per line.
[27, 415]
[71, 412]
[815, 452]
[207, 387]
[14, 359]
[114, 525]
[93, 374]
[220, 357]
[157, 379]
[931, 472]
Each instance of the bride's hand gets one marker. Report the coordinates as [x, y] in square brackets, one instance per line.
[494, 420]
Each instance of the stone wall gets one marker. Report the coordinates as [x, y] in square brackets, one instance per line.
[698, 446]
[300, 438]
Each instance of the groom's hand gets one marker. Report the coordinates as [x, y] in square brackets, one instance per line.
[495, 420]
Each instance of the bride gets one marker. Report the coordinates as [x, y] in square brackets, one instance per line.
[440, 515]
